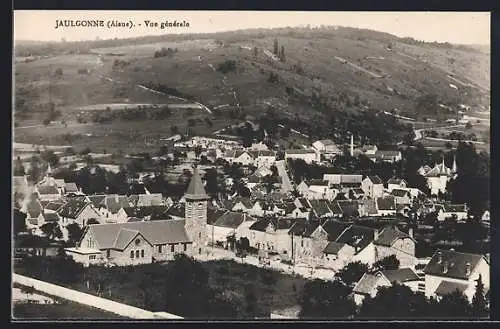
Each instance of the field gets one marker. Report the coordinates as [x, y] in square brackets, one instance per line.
[98, 77]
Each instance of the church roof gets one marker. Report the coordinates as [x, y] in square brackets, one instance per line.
[196, 190]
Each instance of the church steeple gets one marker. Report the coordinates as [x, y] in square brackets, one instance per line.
[49, 170]
[196, 190]
[196, 213]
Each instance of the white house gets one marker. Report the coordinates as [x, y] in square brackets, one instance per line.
[449, 270]
[373, 187]
[308, 155]
[227, 226]
[394, 182]
[386, 206]
[239, 156]
[326, 147]
[449, 211]
[369, 283]
[438, 176]
[77, 211]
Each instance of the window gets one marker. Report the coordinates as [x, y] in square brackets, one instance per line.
[92, 257]
[159, 248]
[185, 246]
[132, 254]
[108, 253]
[137, 254]
[199, 235]
[302, 243]
[142, 253]
[172, 247]
[137, 241]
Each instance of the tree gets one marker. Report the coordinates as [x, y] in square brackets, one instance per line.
[50, 157]
[395, 302]
[74, 232]
[387, 263]
[276, 47]
[452, 306]
[479, 303]
[35, 171]
[52, 230]
[19, 167]
[19, 221]
[352, 272]
[282, 53]
[324, 299]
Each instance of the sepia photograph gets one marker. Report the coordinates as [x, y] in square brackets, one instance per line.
[250, 166]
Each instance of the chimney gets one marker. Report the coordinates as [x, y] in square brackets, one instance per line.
[467, 269]
[439, 257]
[410, 232]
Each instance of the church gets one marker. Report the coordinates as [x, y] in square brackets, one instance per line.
[438, 176]
[142, 242]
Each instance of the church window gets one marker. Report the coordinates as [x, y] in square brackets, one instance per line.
[172, 247]
[132, 254]
[159, 248]
[108, 253]
[142, 253]
[185, 246]
[137, 254]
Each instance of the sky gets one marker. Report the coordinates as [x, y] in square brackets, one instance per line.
[453, 27]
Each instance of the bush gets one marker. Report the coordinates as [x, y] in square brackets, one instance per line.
[227, 66]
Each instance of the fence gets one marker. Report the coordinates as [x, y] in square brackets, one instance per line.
[91, 300]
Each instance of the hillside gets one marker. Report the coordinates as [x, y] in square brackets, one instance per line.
[325, 71]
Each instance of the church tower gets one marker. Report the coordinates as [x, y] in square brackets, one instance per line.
[196, 213]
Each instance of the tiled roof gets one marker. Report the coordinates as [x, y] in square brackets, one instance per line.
[358, 237]
[47, 189]
[334, 228]
[384, 153]
[97, 200]
[386, 203]
[155, 232]
[300, 151]
[317, 182]
[214, 214]
[368, 283]
[335, 208]
[298, 228]
[320, 207]
[401, 275]
[54, 206]
[389, 235]
[156, 212]
[351, 179]
[448, 287]
[245, 201]
[72, 208]
[370, 206]
[179, 210]
[124, 237]
[332, 248]
[452, 264]
[375, 179]
[349, 207]
[232, 219]
[115, 202]
[71, 187]
[394, 180]
[51, 217]
[399, 193]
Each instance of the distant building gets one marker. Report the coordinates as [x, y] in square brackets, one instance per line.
[450, 211]
[373, 186]
[308, 155]
[394, 182]
[438, 176]
[327, 148]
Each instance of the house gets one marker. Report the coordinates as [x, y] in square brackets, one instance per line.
[262, 207]
[391, 241]
[386, 206]
[226, 226]
[263, 171]
[452, 211]
[53, 206]
[369, 283]
[271, 234]
[264, 158]
[385, 156]
[111, 206]
[373, 187]
[144, 200]
[327, 148]
[316, 189]
[402, 197]
[367, 207]
[438, 176]
[301, 203]
[357, 193]
[349, 208]
[344, 182]
[449, 270]
[241, 204]
[361, 239]
[131, 243]
[337, 255]
[32, 245]
[394, 182]
[239, 156]
[259, 147]
[34, 213]
[142, 213]
[48, 193]
[304, 245]
[320, 208]
[71, 188]
[308, 155]
[77, 211]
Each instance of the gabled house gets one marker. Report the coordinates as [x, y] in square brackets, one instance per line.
[394, 182]
[327, 148]
[48, 192]
[303, 243]
[369, 283]
[438, 176]
[112, 205]
[361, 239]
[264, 158]
[239, 156]
[261, 207]
[320, 208]
[144, 200]
[449, 270]
[386, 206]
[350, 208]
[71, 188]
[373, 186]
[308, 155]
[131, 243]
[77, 211]
[240, 204]
[226, 226]
[316, 189]
[450, 211]
[34, 214]
[344, 182]
[271, 234]
[402, 197]
[142, 213]
[391, 241]
[385, 156]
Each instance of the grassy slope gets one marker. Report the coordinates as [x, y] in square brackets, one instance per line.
[190, 73]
